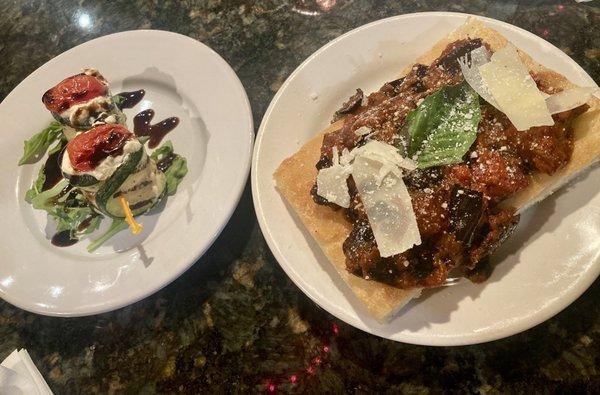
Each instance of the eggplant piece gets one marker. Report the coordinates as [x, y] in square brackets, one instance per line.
[466, 209]
[351, 104]
[481, 272]
[423, 178]
[360, 249]
[421, 70]
[449, 61]
[496, 229]
[396, 83]
[392, 88]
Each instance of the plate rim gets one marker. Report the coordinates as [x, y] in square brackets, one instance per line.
[468, 339]
[238, 188]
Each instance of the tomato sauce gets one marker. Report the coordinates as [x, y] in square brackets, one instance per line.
[457, 207]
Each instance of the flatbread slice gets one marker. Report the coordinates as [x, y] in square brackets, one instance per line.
[296, 176]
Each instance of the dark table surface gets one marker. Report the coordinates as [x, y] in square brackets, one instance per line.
[234, 322]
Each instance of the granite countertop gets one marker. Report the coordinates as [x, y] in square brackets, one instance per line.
[234, 322]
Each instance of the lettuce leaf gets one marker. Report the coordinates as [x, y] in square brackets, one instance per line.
[46, 200]
[69, 218]
[176, 170]
[36, 187]
[69, 209]
[116, 226]
[36, 147]
[443, 127]
[175, 174]
[162, 151]
[118, 99]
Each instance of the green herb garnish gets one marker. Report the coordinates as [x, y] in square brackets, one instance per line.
[36, 146]
[36, 187]
[176, 170]
[116, 226]
[66, 205]
[118, 99]
[443, 127]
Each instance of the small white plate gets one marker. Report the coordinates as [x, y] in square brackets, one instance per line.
[182, 77]
[545, 265]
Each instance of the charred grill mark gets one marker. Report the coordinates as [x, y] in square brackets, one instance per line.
[133, 189]
[140, 204]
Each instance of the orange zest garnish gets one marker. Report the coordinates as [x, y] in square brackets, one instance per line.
[135, 226]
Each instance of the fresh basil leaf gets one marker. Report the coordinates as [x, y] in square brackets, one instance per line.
[176, 171]
[422, 120]
[36, 147]
[116, 226]
[443, 127]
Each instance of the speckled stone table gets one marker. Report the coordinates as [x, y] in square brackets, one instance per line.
[234, 323]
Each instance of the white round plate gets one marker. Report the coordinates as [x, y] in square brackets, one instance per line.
[182, 77]
[546, 264]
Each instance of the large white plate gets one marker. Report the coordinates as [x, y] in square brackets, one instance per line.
[182, 77]
[546, 265]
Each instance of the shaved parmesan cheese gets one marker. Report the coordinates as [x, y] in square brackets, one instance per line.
[504, 82]
[470, 70]
[380, 152]
[568, 99]
[514, 90]
[362, 131]
[331, 182]
[387, 204]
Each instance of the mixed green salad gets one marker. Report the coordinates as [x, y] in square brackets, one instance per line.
[97, 173]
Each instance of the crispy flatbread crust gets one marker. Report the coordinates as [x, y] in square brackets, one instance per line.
[296, 176]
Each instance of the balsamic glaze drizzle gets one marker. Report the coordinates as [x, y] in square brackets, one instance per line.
[63, 239]
[142, 127]
[165, 162]
[51, 170]
[130, 99]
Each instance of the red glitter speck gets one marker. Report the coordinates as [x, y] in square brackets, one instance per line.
[545, 32]
[335, 329]
[326, 349]
[271, 387]
[317, 360]
[310, 370]
[293, 379]
[560, 7]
